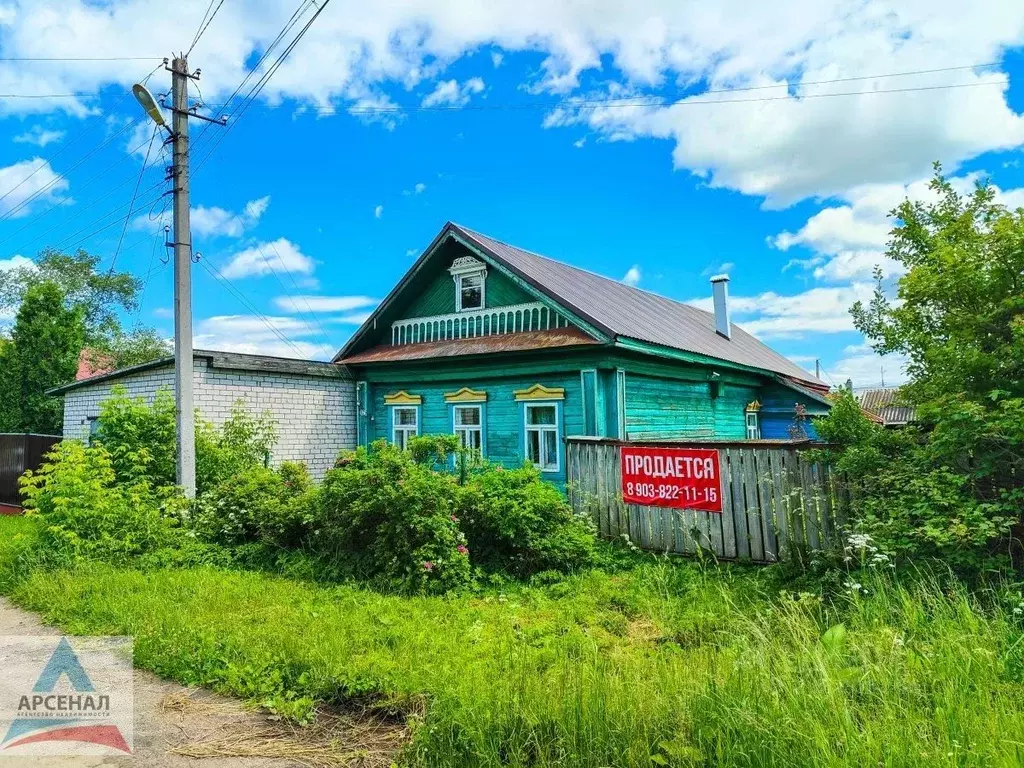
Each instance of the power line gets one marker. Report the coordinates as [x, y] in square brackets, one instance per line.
[80, 58]
[204, 24]
[135, 194]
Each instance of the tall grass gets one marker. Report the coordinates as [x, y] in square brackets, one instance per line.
[667, 664]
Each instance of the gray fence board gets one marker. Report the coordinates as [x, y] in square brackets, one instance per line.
[775, 503]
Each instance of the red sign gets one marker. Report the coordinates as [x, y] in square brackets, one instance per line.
[685, 478]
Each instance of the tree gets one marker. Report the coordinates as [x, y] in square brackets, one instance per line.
[954, 488]
[43, 353]
[99, 295]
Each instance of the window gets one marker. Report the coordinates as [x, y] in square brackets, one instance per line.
[469, 427]
[753, 426]
[405, 423]
[470, 292]
[94, 427]
[542, 436]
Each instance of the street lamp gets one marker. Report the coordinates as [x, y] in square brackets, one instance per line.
[145, 98]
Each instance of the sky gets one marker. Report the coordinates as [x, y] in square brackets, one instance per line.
[655, 142]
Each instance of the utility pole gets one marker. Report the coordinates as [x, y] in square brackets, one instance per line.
[183, 395]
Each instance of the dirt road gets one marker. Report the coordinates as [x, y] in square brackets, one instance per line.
[176, 727]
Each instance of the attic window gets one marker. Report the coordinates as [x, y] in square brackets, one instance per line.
[470, 277]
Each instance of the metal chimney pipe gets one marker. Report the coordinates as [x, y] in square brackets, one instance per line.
[720, 294]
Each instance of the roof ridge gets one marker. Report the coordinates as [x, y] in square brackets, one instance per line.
[587, 271]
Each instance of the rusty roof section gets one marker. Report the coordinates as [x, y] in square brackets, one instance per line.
[481, 345]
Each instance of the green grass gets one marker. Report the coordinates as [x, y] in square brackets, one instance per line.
[665, 664]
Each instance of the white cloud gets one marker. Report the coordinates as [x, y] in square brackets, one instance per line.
[263, 336]
[39, 136]
[419, 189]
[28, 184]
[212, 221]
[378, 211]
[411, 252]
[632, 276]
[849, 240]
[16, 262]
[450, 93]
[281, 255]
[163, 313]
[496, 59]
[579, 143]
[311, 303]
[817, 310]
[356, 55]
[866, 369]
[717, 268]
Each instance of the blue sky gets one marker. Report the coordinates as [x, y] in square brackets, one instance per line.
[522, 123]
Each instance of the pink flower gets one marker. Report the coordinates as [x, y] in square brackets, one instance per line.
[428, 566]
[462, 549]
[454, 519]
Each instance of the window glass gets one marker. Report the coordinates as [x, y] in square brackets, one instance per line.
[466, 416]
[471, 292]
[542, 436]
[469, 428]
[540, 414]
[405, 423]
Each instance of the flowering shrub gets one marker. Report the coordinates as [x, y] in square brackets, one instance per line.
[517, 523]
[383, 516]
[256, 505]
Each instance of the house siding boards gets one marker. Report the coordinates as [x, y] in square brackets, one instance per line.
[666, 409]
[503, 429]
[438, 298]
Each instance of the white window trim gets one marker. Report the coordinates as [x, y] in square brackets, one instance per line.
[753, 425]
[482, 274]
[556, 427]
[456, 429]
[410, 431]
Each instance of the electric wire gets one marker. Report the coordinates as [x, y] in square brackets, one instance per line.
[203, 27]
[135, 194]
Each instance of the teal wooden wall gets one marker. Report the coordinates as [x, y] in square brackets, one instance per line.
[438, 298]
[503, 414]
[659, 408]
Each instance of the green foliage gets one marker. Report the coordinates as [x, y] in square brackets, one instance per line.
[242, 443]
[128, 425]
[952, 489]
[97, 294]
[669, 663]
[909, 500]
[385, 517]
[434, 450]
[88, 513]
[517, 523]
[42, 353]
[120, 348]
[257, 504]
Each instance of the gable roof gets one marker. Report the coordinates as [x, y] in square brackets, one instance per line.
[616, 309]
[885, 403]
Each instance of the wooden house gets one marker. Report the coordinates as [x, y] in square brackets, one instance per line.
[514, 351]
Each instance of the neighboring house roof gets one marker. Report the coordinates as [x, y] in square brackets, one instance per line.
[92, 363]
[617, 309]
[223, 360]
[509, 342]
[884, 402]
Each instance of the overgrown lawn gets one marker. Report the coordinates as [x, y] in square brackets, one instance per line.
[666, 664]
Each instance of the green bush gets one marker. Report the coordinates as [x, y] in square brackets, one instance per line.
[88, 512]
[129, 425]
[518, 523]
[907, 493]
[257, 504]
[383, 516]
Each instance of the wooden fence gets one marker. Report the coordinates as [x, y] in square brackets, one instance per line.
[777, 505]
[19, 452]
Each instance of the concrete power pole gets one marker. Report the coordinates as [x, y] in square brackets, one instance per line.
[183, 395]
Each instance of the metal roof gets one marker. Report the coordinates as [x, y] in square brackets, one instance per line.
[622, 310]
[224, 360]
[509, 342]
[885, 403]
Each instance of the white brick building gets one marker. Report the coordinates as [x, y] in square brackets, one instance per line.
[313, 403]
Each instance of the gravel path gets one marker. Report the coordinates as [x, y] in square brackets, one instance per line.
[176, 727]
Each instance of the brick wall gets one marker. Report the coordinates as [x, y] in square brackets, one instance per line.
[315, 414]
